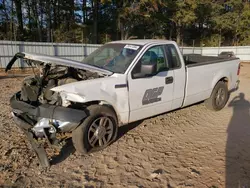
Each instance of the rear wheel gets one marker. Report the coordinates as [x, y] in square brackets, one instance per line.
[218, 98]
[97, 131]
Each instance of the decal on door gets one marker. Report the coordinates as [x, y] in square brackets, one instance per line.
[152, 95]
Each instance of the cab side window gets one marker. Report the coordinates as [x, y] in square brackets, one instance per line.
[152, 62]
[173, 57]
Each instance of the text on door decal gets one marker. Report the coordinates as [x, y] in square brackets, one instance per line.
[152, 95]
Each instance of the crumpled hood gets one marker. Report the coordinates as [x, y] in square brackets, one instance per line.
[56, 60]
[112, 89]
[84, 86]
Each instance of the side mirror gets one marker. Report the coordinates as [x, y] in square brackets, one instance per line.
[146, 70]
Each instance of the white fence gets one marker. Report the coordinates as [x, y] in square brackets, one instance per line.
[242, 52]
[65, 50]
[79, 51]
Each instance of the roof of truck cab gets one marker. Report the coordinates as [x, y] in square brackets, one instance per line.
[142, 41]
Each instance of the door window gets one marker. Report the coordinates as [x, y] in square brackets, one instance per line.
[173, 57]
[152, 62]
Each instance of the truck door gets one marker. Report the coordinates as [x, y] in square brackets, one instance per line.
[175, 64]
[150, 84]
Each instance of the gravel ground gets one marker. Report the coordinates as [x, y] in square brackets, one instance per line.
[191, 147]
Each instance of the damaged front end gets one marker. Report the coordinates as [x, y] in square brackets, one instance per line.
[41, 112]
[44, 121]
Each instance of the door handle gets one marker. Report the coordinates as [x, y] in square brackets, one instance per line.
[169, 80]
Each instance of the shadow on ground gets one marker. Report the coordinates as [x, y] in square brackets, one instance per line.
[65, 152]
[126, 128]
[238, 144]
[69, 149]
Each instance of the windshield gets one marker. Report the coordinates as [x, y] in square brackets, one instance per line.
[114, 57]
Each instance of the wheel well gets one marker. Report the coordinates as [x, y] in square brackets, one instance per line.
[103, 103]
[225, 80]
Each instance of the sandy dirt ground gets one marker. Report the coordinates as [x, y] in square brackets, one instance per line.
[191, 147]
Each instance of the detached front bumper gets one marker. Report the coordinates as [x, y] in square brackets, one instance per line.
[236, 86]
[39, 149]
[31, 119]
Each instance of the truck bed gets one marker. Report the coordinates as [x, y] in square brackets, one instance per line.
[201, 80]
[192, 60]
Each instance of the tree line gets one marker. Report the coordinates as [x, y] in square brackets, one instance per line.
[189, 22]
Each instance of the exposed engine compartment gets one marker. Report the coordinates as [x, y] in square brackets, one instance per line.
[42, 113]
[36, 89]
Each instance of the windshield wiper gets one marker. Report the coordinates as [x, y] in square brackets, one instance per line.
[93, 65]
[100, 67]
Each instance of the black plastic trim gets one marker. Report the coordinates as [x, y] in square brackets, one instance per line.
[12, 61]
[38, 148]
[121, 86]
[48, 111]
[211, 62]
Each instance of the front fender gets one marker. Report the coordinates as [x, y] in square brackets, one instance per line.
[111, 90]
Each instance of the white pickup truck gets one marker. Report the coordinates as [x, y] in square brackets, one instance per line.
[119, 83]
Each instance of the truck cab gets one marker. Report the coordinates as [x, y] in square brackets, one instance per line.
[156, 80]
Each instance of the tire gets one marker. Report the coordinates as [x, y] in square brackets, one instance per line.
[218, 98]
[100, 126]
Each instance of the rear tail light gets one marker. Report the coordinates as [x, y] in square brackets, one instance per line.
[238, 72]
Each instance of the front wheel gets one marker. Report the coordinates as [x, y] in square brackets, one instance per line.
[97, 131]
[218, 98]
